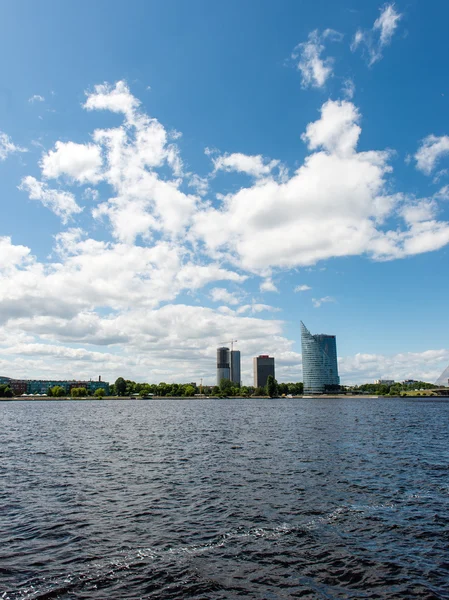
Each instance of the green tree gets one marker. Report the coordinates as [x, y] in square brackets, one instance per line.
[272, 387]
[189, 391]
[120, 386]
[78, 392]
[283, 389]
[99, 393]
[226, 387]
[162, 389]
[6, 391]
[57, 391]
[130, 387]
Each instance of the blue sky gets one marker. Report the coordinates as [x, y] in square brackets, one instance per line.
[172, 172]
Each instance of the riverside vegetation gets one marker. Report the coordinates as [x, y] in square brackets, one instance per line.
[273, 389]
[126, 387]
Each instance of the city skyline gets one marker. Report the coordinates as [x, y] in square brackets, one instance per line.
[155, 199]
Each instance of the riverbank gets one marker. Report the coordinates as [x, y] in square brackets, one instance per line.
[149, 399]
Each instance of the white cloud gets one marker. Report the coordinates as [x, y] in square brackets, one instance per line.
[443, 193]
[36, 98]
[387, 23]
[252, 165]
[366, 368]
[63, 204]
[116, 98]
[376, 39]
[268, 286]
[337, 131]
[429, 153]
[12, 256]
[80, 162]
[421, 210]
[348, 89]
[8, 147]
[335, 204]
[256, 307]
[123, 297]
[317, 302]
[222, 295]
[302, 288]
[200, 184]
[315, 70]
[91, 194]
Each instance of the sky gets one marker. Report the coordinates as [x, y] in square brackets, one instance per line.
[175, 175]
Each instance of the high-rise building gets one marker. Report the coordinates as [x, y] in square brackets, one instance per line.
[319, 361]
[223, 364]
[235, 367]
[263, 367]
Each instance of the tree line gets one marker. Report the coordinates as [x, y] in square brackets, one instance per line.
[393, 389]
[127, 387]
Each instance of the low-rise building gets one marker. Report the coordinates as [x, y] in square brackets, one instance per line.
[41, 386]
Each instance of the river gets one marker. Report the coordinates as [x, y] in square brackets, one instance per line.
[223, 499]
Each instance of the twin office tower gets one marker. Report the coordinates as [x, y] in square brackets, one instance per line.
[228, 367]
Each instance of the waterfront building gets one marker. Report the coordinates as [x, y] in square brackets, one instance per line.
[41, 386]
[235, 367]
[319, 361]
[223, 364]
[384, 381]
[263, 367]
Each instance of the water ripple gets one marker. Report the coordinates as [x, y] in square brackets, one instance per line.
[223, 499]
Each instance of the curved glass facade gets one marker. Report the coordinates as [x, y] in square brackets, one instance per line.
[319, 361]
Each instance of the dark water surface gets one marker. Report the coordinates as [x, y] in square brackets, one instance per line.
[224, 499]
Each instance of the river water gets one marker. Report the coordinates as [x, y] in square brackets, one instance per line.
[223, 499]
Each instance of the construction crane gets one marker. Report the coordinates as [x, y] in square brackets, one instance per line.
[232, 342]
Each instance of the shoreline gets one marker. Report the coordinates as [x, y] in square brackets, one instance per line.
[187, 398]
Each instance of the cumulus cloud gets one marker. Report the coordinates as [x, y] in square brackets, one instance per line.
[7, 146]
[337, 131]
[124, 296]
[80, 162]
[376, 39]
[222, 295]
[422, 366]
[116, 98]
[335, 204]
[429, 153]
[11, 255]
[302, 288]
[252, 165]
[63, 204]
[36, 98]
[267, 285]
[314, 69]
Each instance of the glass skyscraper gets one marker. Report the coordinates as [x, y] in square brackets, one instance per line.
[319, 361]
